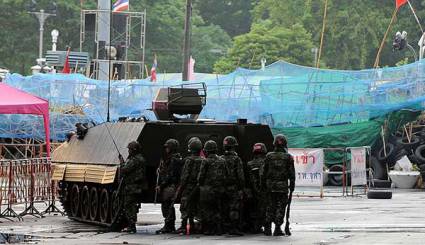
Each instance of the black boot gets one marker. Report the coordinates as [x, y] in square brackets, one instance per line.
[168, 228]
[192, 229]
[278, 231]
[131, 229]
[182, 230]
[207, 230]
[219, 230]
[268, 229]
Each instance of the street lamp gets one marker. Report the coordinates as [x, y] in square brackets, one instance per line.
[55, 35]
[42, 17]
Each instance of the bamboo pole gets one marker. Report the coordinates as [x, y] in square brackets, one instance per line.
[385, 38]
[322, 34]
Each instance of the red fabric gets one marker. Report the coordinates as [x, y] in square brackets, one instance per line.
[66, 68]
[399, 3]
[15, 101]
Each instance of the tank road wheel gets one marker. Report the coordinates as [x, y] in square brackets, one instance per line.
[85, 203]
[75, 200]
[93, 203]
[115, 205]
[104, 206]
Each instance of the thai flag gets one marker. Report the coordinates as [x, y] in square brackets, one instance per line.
[121, 5]
[153, 70]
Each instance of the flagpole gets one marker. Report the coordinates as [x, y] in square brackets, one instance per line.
[416, 17]
[108, 116]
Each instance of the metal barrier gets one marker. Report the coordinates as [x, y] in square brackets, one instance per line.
[345, 173]
[26, 182]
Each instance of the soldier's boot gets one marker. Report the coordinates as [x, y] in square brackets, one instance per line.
[207, 231]
[191, 229]
[278, 231]
[168, 228]
[182, 228]
[219, 230]
[268, 229]
[235, 231]
[130, 229]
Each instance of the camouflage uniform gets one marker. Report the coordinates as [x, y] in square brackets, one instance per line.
[278, 170]
[211, 180]
[255, 203]
[188, 184]
[235, 185]
[134, 181]
[169, 178]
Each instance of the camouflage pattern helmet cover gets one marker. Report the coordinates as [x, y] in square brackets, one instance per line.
[280, 140]
[194, 144]
[172, 144]
[134, 145]
[230, 141]
[210, 146]
[259, 148]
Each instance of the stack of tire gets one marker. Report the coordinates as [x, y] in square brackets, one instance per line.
[396, 148]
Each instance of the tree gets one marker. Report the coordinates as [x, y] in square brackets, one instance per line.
[233, 16]
[277, 43]
[209, 43]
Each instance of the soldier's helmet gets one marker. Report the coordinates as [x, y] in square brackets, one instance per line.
[194, 144]
[134, 146]
[280, 140]
[259, 148]
[172, 144]
[230, 142]
[210, 146]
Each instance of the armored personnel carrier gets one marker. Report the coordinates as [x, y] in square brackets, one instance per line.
[87, 166]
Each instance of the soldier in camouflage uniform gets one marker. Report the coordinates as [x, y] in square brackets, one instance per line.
[278, 171]
[134, 181]
[235, 184]
[169, 178]
[211, 181]
[255, 195]
[188, 183]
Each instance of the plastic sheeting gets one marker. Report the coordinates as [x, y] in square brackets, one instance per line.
[283, 95]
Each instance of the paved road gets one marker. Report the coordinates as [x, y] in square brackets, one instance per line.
[331, 220]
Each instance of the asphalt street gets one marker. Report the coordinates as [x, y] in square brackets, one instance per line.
[331, 220]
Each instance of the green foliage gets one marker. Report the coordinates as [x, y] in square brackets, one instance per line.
[234, 16]
[273, 29]
[272, 43]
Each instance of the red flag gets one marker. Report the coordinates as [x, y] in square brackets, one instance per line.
[153, 70]
[399, 3]
[66, 68]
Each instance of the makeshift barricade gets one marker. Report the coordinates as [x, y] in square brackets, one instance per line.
[25, 181]
[310, 174]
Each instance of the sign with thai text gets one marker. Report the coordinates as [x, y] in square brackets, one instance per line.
[358, 166]
[308, 166]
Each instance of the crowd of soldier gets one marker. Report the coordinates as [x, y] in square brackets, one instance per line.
[222, 192]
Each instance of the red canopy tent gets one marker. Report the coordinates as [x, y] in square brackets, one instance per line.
[15, 101]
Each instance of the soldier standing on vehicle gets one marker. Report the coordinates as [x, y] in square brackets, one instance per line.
[255, 195]
[278, 171]
[211, 181]
[168, 181]
[134, 181]
[188, 183]
[235, 184]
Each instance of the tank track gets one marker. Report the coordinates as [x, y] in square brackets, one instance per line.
[85, 211]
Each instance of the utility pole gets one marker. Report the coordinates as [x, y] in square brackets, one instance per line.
[41, 17]
[187, 39]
